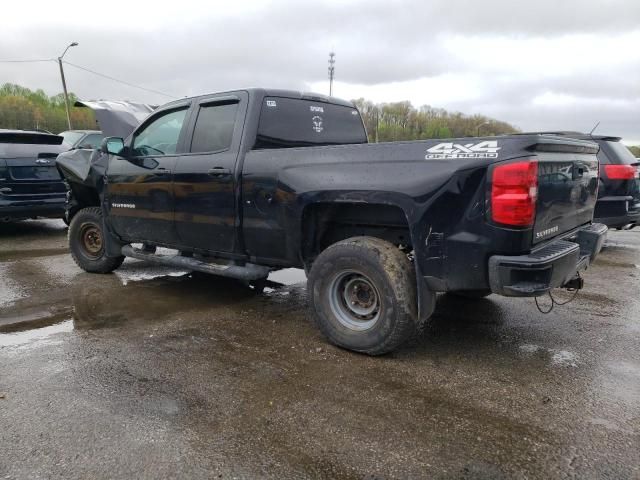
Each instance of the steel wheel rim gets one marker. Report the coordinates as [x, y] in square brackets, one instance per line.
[91, 240]
[354, 300]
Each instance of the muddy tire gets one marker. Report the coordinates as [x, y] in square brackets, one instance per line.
[471, 294]
[363, 295]
[87, 242]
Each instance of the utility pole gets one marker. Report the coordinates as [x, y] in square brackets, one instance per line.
[332, 69]
[64, 83]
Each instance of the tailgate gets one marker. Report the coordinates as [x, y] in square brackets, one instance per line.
[567, 192]
[28, 165]
[31, 176]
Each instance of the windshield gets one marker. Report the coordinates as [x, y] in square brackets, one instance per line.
[72, 137]
[620, 154]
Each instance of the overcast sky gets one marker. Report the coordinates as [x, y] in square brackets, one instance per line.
[539, 64]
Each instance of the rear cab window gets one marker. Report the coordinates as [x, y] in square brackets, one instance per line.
[291, 122]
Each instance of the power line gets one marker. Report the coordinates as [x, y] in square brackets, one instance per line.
[118, 80]
[28, 61]
[95, 73]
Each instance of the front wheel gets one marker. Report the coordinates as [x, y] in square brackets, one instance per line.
[87, 242]
[363, 293]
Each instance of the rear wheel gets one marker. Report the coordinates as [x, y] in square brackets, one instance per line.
[87, 242]
[363, 293]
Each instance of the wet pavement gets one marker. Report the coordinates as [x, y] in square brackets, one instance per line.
[157, 373]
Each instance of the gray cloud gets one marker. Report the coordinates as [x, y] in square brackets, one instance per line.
[285, 44]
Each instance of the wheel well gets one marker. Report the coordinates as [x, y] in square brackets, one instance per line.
[324, 224]
[83, 197]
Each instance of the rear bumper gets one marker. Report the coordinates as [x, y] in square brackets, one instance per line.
[632, 219]
[549, 267]
[22, 210]
[616, 212]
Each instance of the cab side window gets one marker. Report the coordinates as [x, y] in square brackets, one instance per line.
[213, 130]
[160, 137]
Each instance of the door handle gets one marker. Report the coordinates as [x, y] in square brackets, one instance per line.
[163, 170]
[219, 172]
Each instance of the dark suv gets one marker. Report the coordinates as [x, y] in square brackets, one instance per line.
[30, 183]
[618, 203]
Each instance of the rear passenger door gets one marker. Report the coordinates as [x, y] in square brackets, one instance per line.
[205, 175]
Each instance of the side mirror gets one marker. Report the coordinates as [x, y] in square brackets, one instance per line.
[112, 145]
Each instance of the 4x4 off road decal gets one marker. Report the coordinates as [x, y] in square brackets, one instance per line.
[487, 149]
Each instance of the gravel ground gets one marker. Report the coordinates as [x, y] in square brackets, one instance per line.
[156, 373]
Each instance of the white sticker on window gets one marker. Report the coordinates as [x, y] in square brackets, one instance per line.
[271, 103]
[317, 124]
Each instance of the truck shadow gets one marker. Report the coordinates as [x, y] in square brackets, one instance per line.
[462, 324]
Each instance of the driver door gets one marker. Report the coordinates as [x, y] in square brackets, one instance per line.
[140, 194]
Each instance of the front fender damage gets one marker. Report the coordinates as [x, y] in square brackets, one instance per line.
[84, 172]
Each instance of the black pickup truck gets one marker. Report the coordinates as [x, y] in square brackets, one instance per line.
[245, 182]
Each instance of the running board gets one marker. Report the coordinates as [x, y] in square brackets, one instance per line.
[248, 271]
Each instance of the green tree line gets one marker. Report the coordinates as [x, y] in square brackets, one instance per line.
[388, 122]
[26, 109]
[23, 108]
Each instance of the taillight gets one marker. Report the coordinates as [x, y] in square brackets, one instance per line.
[514, 191]
[621, 172]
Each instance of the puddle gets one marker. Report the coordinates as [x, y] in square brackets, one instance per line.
[288, 276]
[149, 273]
[30, 319]
[135, 270]
[9, 290]
[36, 335]
[13, 255]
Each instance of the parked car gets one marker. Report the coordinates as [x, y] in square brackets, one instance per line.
[618, 203]
[242, 183]
[30, 183]
[82, 138]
